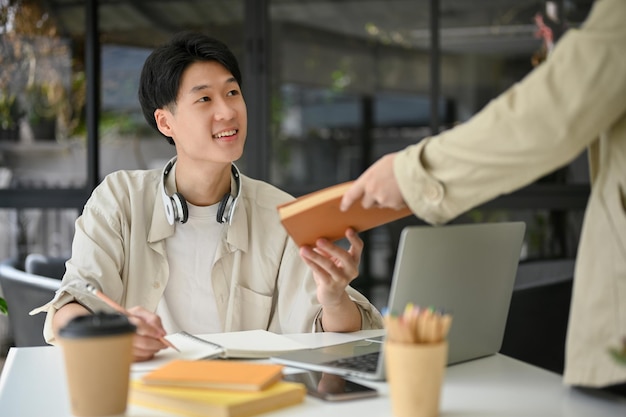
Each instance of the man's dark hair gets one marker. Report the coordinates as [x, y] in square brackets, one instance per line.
[164, 67]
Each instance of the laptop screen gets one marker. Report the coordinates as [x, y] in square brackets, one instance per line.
[466, 270]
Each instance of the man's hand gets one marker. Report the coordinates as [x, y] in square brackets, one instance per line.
[334, 268]
[376, 187]
[146, 341]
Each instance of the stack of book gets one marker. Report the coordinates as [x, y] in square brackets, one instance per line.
[216, 388]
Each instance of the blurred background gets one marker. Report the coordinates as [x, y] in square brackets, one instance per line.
[331, 85]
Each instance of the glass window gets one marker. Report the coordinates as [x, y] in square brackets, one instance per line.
[43, 136]
[352, 81]
[348, 82]
[348, 86]
[42, 97]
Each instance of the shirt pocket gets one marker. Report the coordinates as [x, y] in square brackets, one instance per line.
[251, 310]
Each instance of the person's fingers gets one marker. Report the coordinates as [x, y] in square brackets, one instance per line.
[340, 264]
[149, 323]
[356, 244]
[145, 347]
[147, 339]
[355, 192]
[318, 259]
[368, 201]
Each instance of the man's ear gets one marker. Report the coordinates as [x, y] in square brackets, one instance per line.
[161, 116]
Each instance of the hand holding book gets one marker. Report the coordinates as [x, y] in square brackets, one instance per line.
[317, 215]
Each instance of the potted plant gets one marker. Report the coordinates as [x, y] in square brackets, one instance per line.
[9, 115]
[43, 104]
[3, 306]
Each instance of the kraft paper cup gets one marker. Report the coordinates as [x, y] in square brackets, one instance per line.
[415, 375]
[97, 351]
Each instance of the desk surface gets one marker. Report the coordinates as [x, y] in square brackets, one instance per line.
[33, 384]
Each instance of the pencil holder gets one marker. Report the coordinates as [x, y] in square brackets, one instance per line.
[415, 373]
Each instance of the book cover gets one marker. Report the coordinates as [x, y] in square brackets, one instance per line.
[216, 374]
[317, 215]
[200, 402]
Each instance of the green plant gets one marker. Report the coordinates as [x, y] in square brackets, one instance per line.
[9, 111]
[3, 306]
[619, 354]
[44, 102]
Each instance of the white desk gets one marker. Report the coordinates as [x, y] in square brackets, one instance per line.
[33, 385]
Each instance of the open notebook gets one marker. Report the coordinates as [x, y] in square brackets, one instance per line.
[467, 270]
[242, 344]
[253, 344]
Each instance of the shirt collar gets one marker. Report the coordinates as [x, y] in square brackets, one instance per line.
[236, 234]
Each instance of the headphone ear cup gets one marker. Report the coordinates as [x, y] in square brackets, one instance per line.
[170, 212]
[223, 208]
[181, 212]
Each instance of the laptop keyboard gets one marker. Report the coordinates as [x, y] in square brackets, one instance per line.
[363, 363]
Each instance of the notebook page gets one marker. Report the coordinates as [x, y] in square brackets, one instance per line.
[253, 343]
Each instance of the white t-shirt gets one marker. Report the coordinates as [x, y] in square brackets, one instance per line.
[188, 302]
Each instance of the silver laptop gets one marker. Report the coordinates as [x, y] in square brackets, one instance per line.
[467, 270]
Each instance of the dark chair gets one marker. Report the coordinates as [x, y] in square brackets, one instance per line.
[23, 292]
[46, 266]
[536, 326]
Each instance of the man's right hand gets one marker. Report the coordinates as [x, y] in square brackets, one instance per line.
[147, 340]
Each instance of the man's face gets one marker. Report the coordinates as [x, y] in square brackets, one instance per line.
[209, 121]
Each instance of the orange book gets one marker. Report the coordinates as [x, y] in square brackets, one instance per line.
[202, 402]
[317, 215]
[215, 374]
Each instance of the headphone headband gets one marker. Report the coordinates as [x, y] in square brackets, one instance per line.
[176, 206]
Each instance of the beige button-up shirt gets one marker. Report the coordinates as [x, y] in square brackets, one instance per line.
[573, 101]
[259, 279]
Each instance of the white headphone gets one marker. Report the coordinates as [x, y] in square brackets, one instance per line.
[176, 206]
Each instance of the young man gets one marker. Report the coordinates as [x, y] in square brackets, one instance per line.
[573, 101]
[198, 246]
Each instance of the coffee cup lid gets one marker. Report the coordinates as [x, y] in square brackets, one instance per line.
[99, 324]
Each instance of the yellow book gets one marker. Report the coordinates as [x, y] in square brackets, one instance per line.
[317, 215]
[201, 402]
[216, 374]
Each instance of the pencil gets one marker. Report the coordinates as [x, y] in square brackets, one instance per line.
[102, 296]
[418, 325]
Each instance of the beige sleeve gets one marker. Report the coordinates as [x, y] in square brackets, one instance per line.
[536, 126]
